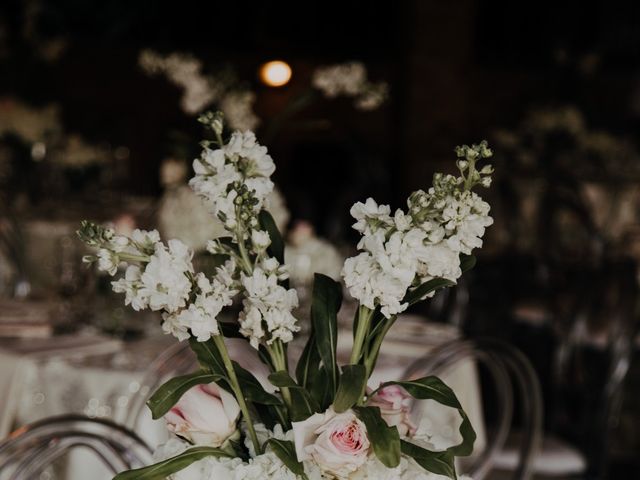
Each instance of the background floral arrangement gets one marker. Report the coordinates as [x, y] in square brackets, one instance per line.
[320, 421]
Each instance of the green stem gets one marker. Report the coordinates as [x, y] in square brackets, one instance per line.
[364, 321]
[235, 386]
[244, 255]
[372, 356]
[132, 257]
[276, 352]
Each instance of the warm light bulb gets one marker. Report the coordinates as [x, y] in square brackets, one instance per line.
[275, 74]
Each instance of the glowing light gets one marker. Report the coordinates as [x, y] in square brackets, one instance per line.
[275, 73]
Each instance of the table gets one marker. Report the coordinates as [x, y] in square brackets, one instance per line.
[97, 376]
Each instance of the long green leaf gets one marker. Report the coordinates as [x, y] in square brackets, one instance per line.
[286, 451]
[170, 392]
[327, 298]
[418, 293]
[351, 387]
[440, 463]
[252, 389]
[162, 470]
[428, 388]
[276, 248]
[467, 262]
[302, 404]
[432, 388]
[208, 356]
[384, 439]
[309, 362]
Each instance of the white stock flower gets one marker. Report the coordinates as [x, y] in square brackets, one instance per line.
[131, 286]
[107, 261]
[267, 309]
[260, 240]
[164, 280]
[370, 216]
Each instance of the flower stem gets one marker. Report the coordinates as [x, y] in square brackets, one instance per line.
[244, 255]
[372, 356]
[131, 257]
[276, 352]
[364, 321]
[235, 386]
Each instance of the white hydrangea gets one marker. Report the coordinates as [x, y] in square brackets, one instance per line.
[266, 315]
[269, 467]
[184, 215]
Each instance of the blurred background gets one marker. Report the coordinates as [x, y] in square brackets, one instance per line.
[98, 119]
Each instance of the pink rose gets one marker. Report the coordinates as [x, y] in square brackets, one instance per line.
[205, 415]
[394, 404]
[337, 442]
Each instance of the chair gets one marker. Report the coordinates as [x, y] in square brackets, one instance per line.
[505, 366]
[28, 451]
[176, 360]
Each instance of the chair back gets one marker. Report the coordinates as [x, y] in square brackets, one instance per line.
[31, 449]
[507, 368]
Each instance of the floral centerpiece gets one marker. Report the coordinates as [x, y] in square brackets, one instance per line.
[320, 419]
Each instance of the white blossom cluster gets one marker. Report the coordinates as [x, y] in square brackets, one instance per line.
[238, 109]
[350, 80]
[161, 277]
[200, 90]
[234, 179]
[402, 251]
[184, 71]
[269, 466]
[267, 304]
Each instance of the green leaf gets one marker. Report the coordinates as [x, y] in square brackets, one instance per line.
[432, 388]
[428, 388]
[352, 386]
[465, 448]
[252, 389]
[170, 392]
[162, 470]
[418, 293]
[440, 463]
[286, 451]
[467, 262]
[327, 298]
[309, 362]
[267, 223]
[302, 404]
[384, 439]
[208, 356]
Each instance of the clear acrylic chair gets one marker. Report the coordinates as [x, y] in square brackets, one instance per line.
[31, 449]
[174, 361]
[507, 368]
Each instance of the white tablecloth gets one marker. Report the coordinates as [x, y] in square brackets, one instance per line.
[97, 376]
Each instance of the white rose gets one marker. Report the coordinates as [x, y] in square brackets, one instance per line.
[205, 415]
[337, 443]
